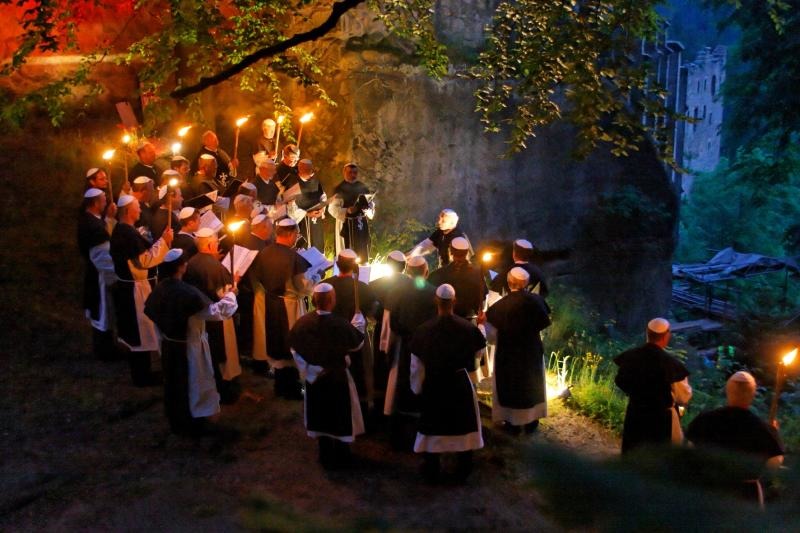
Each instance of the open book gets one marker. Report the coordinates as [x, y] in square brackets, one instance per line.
[210, 220]
[242, 259]
[319, 263]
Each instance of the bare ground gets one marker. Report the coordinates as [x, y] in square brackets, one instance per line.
[85, 450]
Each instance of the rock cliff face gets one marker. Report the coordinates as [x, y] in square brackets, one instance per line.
[605, 223]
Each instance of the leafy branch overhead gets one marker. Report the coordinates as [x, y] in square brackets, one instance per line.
[543, 61]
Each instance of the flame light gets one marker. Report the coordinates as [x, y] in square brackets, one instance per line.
[240, 122]
[305, 118]
[126, 139]
[173, 182]
[108, 154]
[176, 148]
[233, 227]
[281, 118]
[184, 130]
[789, 358]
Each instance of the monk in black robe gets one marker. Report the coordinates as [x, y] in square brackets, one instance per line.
[99, 276]
[322, 343]
[205, 272]
[345, 307]
[447, 229]
[381, 289]
[522, 251]
[468, 280]
[180, 311]
[135, 261]
[352, 210]
[260, 233]
[225, 166]
[443, 354]
[145, 165]
[282, 273]
[311, 201]
[736, 428]
[656, 383]
[519, 391]
[411, 303]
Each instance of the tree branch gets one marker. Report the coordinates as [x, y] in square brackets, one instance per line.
[339, 9]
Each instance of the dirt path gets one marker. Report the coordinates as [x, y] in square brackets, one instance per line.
[84, 450]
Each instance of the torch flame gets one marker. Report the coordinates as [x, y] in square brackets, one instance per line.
[126, 139]
[173, 182]
[788, 359]
[108, 154]
[305, 118]
[241, 121]
[487, 256]
[233, 227]
[281, 118]
[184, 130]
[176, 148]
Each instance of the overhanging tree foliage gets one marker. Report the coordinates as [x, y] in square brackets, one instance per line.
[544, 61]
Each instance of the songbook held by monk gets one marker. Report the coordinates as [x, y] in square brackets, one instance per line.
[210, 220]
[318, 262]
[242, 259]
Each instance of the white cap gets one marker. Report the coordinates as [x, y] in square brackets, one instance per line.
[347, 253]
[350, 164]
[162, 191]
[523, 243]
[204, 233]
[249, 186]
[170, 173]
[459, 243]
[416, 261]
[398, 256]
[306, 162]
[323, 287]
[178, 157]
[257, 210]
[92, 171]
[287, 223]
[445, 291]
[92, 193]
[258, 219]
[519, 273]
[143, 144]
[124, 200]
[268, 121]
[141, 180]
[186, 212]
[658, 325]
[207, 156]
[173, 255]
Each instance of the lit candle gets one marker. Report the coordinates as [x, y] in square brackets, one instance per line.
[280, 120]
[107, 156]
[171, 184]
[176, 148]
[126, 141]
[305, 118]
[780, 377]
[239, 123]
[233, 227]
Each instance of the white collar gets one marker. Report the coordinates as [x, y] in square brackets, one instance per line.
[322, 313]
